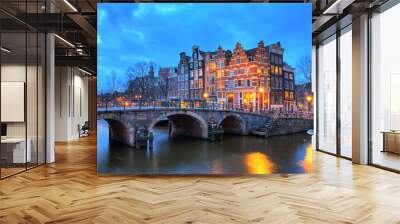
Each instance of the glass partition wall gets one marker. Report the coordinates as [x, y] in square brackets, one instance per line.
[385, 89]
[22, 77]
[334, 93]
[345, 91]
[326, 137]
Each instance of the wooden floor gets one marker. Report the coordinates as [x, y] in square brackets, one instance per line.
[70, 191]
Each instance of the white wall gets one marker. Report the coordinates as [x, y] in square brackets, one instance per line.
[71, 102]
[16, 72]
[33, 126]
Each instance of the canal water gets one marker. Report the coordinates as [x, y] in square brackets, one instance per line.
[234, 155]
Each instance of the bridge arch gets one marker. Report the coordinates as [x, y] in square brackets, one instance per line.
[121, 132]
[184, 123]
[233, 123]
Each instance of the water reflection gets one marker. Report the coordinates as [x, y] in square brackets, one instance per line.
[259, 163]
[307, 163]
[233, 155]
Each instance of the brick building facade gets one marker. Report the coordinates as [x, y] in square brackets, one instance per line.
[183, 76]
[196, 74]
[275, 52]
[241, 77]
[255, 79]
[289, 95]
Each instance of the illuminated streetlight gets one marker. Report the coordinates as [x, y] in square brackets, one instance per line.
[309, 98]
[205, 95]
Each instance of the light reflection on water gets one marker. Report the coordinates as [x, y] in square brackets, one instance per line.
[233, 155]
[259, 163]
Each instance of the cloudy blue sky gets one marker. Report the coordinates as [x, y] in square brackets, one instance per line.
[157, 32]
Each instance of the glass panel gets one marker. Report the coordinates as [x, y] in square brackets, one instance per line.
[346, 93]
[13, 86]
[385, 84]
[23, 90]
[327, 95]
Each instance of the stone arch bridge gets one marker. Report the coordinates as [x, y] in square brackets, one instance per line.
[184, 122]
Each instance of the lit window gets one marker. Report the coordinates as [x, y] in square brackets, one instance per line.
[221, 64]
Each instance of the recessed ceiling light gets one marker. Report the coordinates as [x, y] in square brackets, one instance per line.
[5, 50]
[64, 40]
[84, 71]
[70, 5]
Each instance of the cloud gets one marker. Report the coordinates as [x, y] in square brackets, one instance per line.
[131, 58]
[163, 9]
[133, 33]
[101, 15]
[140, 11]
[158, 32]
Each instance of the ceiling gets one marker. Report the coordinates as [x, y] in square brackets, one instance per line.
[75, 23]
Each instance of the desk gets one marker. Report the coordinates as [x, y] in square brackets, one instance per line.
[391, 141]
[13, 150]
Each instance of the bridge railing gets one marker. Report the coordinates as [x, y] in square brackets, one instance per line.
[218, 107]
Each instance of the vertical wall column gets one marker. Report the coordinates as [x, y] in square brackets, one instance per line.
[50, 98]
[360, 89]
[92, 100]
[50, 91]
[314, 90]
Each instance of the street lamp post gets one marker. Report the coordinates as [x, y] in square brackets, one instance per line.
[309, 99]
[205, 96]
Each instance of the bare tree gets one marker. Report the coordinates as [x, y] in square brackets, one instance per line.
[141, 81]
[304, 67]
[113, 83]
[112, 88]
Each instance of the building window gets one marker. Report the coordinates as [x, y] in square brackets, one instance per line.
[221, 63]
[248, 82]
[238, 61]
[231, 73]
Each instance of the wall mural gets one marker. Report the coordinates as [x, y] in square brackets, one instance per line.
[216, 88]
